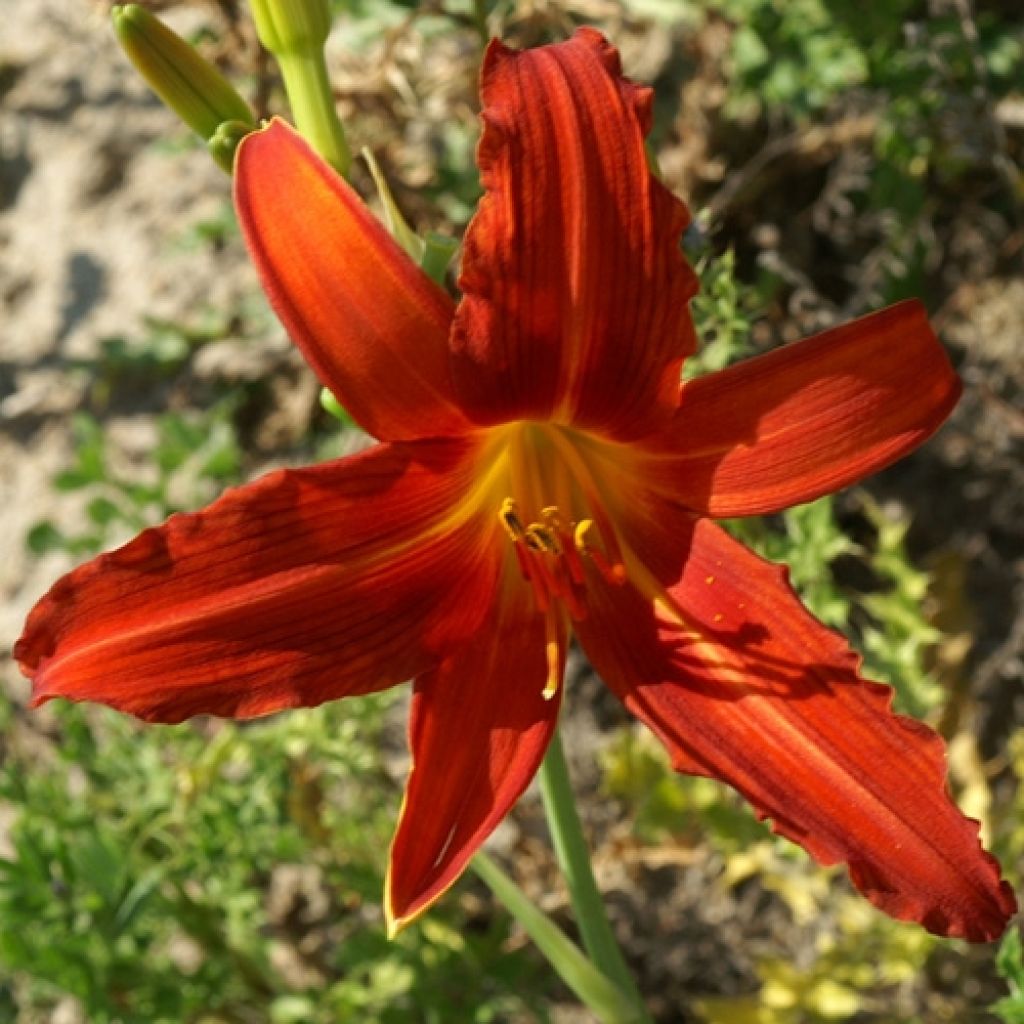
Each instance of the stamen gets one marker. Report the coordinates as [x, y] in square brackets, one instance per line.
[551, 547]
[572, 560]
[509, 515]
[553, 520]
[554, 650]
[573, 602]
[523, 557]
[543, 582]
[591, 493]
[540, 538]
[614, 574]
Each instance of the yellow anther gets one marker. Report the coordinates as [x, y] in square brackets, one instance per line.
[540, 538]
[509, 515]
[552, 518]
[613, 572]
[579, 537]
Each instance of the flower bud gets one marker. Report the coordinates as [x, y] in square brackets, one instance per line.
[187, 83]
[295, 32]
[223, 143]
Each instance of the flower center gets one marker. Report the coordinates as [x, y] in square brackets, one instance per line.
[557, 521]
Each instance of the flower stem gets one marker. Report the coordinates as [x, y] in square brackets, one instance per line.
[574, 860]
[480, 20]
[593, 988]
[312, 103]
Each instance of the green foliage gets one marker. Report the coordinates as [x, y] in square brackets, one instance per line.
[146, 869]
[214, 231]
[196, 454]
[925, 81]
[164, 347]
[1010, 964]
[793, 57]
[722, 311]
[864, 955]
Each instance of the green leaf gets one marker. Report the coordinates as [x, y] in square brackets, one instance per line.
[593, 989]
[1009, 961]
[102, 511]
[45, 537]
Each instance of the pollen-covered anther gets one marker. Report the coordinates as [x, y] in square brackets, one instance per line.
[540, 538]
[547, 558]
[613, 572]
[510, 519]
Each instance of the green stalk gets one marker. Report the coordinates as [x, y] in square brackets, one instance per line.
[312, 103]
[480, 20]
[574, 860]
[598, 993]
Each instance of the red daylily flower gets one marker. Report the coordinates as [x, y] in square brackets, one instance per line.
[541, 472]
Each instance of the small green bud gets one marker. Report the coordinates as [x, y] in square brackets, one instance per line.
[292, 26]
[189, 84]
[223, 143]
[334, 408]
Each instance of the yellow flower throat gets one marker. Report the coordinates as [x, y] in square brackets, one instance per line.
[557, 521]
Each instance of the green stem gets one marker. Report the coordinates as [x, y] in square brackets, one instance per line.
[596, 991]
[574, 859]
[312, 103]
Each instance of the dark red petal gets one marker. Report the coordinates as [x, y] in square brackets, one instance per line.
[809, 418]
[371, 324]
[305, 586]
[575, 289]
[755, 692]
[478, 731]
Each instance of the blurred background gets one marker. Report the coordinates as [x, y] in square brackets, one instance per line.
[838, 156]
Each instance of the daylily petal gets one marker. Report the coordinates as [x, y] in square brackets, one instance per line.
[372, 325]
[478, 730]
[305, 586]
[808, 418]
[575, 288]
[742, 684]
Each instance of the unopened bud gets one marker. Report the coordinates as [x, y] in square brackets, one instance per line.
[188, 83]
[295, 32]
[292, 26]
[223, 143]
